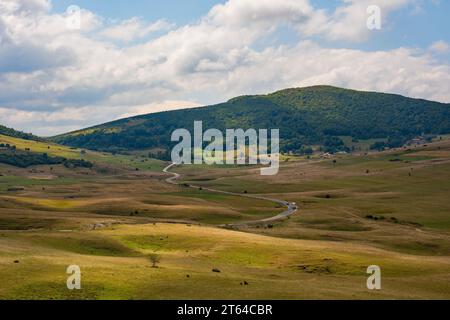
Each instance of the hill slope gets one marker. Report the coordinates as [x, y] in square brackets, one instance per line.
[305, 116]
[17, 134]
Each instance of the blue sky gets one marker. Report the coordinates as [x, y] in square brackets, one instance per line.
[135, 57]
[178, 11]
[418, 25]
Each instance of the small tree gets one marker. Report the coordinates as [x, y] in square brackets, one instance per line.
[155, 259]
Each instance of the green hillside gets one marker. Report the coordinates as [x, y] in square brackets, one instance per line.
[17, 134]
[314, 116]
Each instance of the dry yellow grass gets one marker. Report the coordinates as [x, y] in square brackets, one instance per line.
[114, 265]
[104, 222]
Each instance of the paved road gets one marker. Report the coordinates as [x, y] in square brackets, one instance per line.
[291, 207]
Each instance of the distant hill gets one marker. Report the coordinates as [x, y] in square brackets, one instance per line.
[17, 134]
[312, 116]
[25, 159]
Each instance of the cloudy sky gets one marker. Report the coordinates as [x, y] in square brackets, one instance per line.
[141, 56]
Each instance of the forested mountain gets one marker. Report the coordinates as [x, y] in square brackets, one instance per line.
[305, 116]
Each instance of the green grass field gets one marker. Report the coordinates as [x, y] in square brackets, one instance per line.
[389, 209]
[115, 265]
[123, 161]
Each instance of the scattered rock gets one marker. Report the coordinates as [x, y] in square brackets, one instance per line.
[98, 226]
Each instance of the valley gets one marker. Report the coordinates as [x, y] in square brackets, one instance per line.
[385, 208]
[224, 158]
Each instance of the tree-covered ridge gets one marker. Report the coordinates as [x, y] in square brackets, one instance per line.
[9, 154]
[305, 116]
[17, 134]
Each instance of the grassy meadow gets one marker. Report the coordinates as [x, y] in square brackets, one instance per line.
[389, 209]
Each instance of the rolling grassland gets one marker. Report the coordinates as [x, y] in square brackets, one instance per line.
[389, 209]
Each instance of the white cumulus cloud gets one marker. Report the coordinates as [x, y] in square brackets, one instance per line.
[134, 28]
[54, 79]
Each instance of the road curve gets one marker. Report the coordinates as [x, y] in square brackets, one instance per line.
[291, 207]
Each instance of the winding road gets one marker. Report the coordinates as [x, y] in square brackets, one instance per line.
[291, 206]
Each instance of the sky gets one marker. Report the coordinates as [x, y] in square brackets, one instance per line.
[62, 69]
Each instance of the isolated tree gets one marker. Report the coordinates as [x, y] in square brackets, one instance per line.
[155, 259]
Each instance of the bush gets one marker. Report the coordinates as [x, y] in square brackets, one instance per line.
[154, 259]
